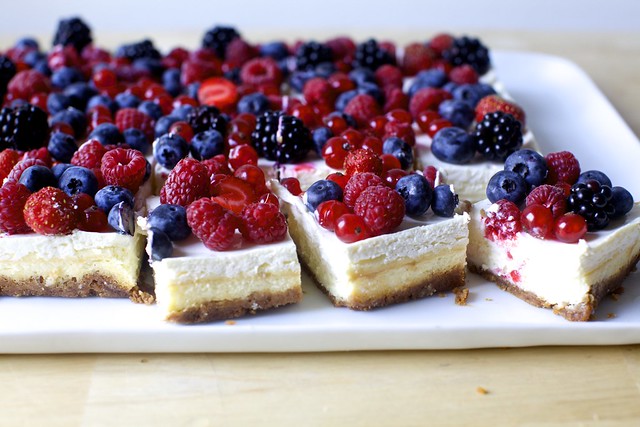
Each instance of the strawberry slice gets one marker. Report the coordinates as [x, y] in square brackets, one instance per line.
[219, 92]
[232, 193]
[492, 103]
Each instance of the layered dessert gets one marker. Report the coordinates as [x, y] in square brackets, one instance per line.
[553, 236]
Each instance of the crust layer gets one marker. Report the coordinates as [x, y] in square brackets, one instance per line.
[90, 285]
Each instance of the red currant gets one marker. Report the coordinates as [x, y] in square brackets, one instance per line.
[570, 228]
[399, 115]
[537, 220]
[329, 212]
[93, 219]
[339, 178]
[104, 78]
[436, 125]
[425, 118]
[253, 175]
[372, 143]
[336, 124]
[292, 184]
[389, 161]
[182, 129]
[392, 176]
[351, 228]
[269, 197]
[243, 155]
[335, 151]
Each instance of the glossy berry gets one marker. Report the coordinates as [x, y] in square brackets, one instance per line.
[50, 211]
[233, 193]
[92, 219]
[468, 50]
[263, 223]
[77, 179]
[597, 175]
[110, 195]
[357, 184]
[292, 185]
[416, 192]
[311, 54]
[502, 221]
[169, 149]
[13, 197]
[529, 164]
[459, 113]
[370, 55]
[186, 183]
[321, 191]
[214, 225]
[329, 212]
[444, 201]
[282, 138]
[506, 185]
[497, 136]
[122, 218]
[592, 201]
[207, 144]
[399, 149]
[335, 152]
[549, 196]
[570, 228]
[124, 167]
[320, 136]
[206, 117]
[382, 209]
[160, 244]
[351, 228]
[136, 139]
[37, 177]
[362, 160]
[172, 220]
[538, 221]
[23, 128]
[621, 200]
[62, 146]
[453, 145]
[563, 167]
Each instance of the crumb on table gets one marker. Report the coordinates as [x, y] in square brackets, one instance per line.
[482, 390]
[461, 295]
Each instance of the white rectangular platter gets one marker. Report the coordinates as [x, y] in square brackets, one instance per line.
[566, 112]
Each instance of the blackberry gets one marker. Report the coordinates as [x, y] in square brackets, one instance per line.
[592, 201]
[218, 38]
[282, 138]
[370, 55]
[311, 54]
[23, 128]
[74, 32]
[468, 50]
[143, 49]
[7, 71]
[497, 136]
[207, 117]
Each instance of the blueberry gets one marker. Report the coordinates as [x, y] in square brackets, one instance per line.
[163, 124]
[192, 90]
[400, 150]
[43, 67]
[207, 144]
[172, 220]
[59, 168]
[320, 137]
[255, 103]
[102, 100]
[136, 139]
[62, 146]
[622, 201]
[74, 118]
[299, 78]
[596, 175]
[529, 164]
[344, 98]
[321, 191]
[171, 81]
[110, 195]
[64, 76]
[324, 69]
[444, 201]
[361, 76]
[151, 109]
[127, 100]
[416, 192]
[150, 66]
[169, 149]
[79, 94]
[453, 145]
[78, 179]
[32, 57]
[122, 218]
[427, 78]
[506, 185]
[459, 113]
[276, 50]
[37, 177]
[160, 244]
[472, 93]
[57, 102]
[28, 43]
[373, 90]
[107, 134]
[182, 112]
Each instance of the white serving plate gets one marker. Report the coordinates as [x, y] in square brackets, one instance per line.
[565, 110]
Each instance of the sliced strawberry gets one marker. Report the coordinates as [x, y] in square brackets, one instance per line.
[492, 103]
[219, 92]
[232, 193]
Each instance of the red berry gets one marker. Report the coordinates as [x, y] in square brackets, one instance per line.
[335, 151]
[392, 176]
[263, 223]
[382, 209]
[425, 118]
[187, 182]
[372, 143]
[353, 137]
[400, 130]
[492, 103]
[329, 212]
[417, 57]
[538, 221]
[219, 92]
[432, 175]
[441, 42]
[13, 197]
[292, 185]
[127, 118]
[93, 219]
[428, 98]
[399, 115]
[8, 159]
[389, 76]
[21, 166]
[389, 161]
[357, 184]
[318, 90]
[395, 98]
[502, 221]
[183, 129]
[563, 167]
[50, 211]
[363, 108]
[238, 52]
[254, 176]
[463, 74]
[104, 78]
[260, 71]
[89, 155]
[362, 160]
[233, 193]
[570, 228]
[341, 82]
[243, 154]
[551, 197]
[213, 224]
[351, 228]
[269, 197]
[339, 178]
[124, 167]
[27, 83]
[195, 70]
[217, 165]
[436, 125]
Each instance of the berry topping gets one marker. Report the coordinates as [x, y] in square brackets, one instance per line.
[502, 221]
[362, 160]
[311, 54]
[62, 146]
[27, 83]
[92, 219]
[8, 159]
[160, 244]
[122, 218]
[138, 50]
[549, 196]
[13, 197]
[36, 177]
[329, 212]
[382, 209]
[124, 167]
[218, 92]
[570, 228]
[169, 149]
[453, 145]
[77, 179]
[622, 201]
[592, 201]
[282, 138]
[497, 136]
[529, 164]
[357, 184]
[467, 50]
[170, 219]
[321, 191]
[233, 193]
[73, 32]
[416, 192]
[292, 185]
[416, 57]
[89, 155]
[109, 196]
[427, 99]
[207, 117]
[493, 103]
[263, 223]
[400, 150]
[363, 108]
[186, 183]
[128, 118]
[506, 185]
[563, 167]
[261, 71]
[207, 144]
[444, 201]
[371, 55]
[23, 128]
[50, 212]
[218, 38]
[599, 176]
[213, 224]
[351, 228]
[538, 221]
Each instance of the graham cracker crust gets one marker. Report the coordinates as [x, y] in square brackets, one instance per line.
[443, 283]
[581, 312]
[229, 309]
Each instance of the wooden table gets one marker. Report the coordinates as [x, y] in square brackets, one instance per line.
[528, 386]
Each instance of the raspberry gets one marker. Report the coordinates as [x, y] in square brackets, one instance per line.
[382, 209]
[362, 160]
[563, 167]
[263, 223]
[39, 153]
[363, 108]
[21, 166]
[186, 183]
[440, 43]
[217, 164]
[318, 90]
[502, 221]
[492, 103]
[89, 155]
[549, 196]
[428, 98]
[50, 211]
[238, 52]
[357, 184]
[212, 224]
[417, 57]
[395, 99]
[261, 71]
[389, 76]
[124, 167]
[463, 74]
[341, 48]
[13, 196]
[27, 83]
[8, 159]
[128, 118]
[195, 70]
